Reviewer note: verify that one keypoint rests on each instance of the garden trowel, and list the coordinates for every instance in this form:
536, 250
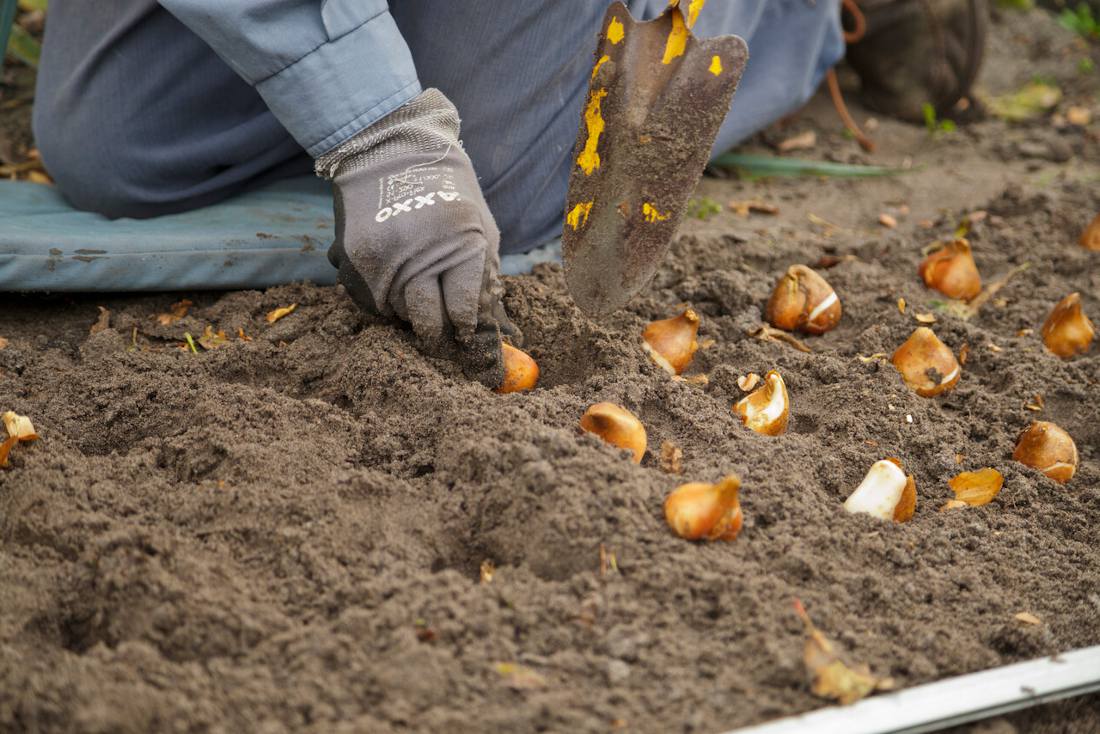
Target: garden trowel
656, 99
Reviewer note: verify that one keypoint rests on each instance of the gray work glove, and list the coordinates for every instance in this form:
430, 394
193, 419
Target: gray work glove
414, 237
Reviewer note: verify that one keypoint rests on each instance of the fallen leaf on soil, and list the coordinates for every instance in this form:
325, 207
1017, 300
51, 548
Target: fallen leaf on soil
176, 312
242, 336
273, 316
1079, 116
671, 459
887, 221
519, 677
832, 678
211, 339
748, 382
925, 318
103, 322
873, 358
20, 429
487, 570
608, 561
977, 488
1027, 618
1031, 100
743, 208
802, 141
768, 334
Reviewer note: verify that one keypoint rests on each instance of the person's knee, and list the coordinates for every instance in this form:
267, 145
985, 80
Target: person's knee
87, 163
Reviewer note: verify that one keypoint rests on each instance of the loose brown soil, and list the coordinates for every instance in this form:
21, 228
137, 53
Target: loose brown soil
286, 533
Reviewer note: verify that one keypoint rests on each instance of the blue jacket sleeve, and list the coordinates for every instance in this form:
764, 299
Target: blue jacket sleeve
326, 68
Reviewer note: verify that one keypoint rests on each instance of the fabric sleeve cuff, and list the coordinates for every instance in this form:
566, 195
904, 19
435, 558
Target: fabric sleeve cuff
343, 86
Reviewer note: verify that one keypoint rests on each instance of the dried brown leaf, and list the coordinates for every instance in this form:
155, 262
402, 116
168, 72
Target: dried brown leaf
832, 678
211, 339
768, 333
671, 459
101, 323
519, 677
802, 141
275, 315
176, 312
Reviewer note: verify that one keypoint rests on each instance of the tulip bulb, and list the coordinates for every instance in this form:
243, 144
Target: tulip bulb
1067, 330
520, 371
671, 342
704, 511
1046, 447
951, 271
803, 301
617, 426
926, 364
766, 409
886, 493
1090, 238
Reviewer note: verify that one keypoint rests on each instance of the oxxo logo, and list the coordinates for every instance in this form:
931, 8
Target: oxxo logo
417, 202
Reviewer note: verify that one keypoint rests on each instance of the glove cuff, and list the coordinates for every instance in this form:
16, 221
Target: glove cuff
426, 122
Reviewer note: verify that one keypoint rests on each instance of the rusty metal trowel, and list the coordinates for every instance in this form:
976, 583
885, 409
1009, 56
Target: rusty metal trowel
656, 99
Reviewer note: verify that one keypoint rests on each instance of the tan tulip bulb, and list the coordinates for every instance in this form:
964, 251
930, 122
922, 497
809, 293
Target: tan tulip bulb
671, 343
803, 301
1090, 238
617, 426
766, 409
886, 493
520, 371
951, 271
701, 511
1067, 330
1048, 448
926, 364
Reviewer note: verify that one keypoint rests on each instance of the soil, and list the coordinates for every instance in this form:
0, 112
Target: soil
285, 533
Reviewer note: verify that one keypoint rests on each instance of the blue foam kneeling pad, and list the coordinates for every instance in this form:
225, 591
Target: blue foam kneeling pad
277, 234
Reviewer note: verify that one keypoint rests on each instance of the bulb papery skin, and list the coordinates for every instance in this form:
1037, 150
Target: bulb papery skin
701, 511
767, 409
617, 426
521, 373
951, 270
671, 343
927, 365
803, 301
882, 492
1068, 331
1047, 447
1090, 238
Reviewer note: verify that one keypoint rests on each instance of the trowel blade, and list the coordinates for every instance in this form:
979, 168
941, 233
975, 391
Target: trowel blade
655, 101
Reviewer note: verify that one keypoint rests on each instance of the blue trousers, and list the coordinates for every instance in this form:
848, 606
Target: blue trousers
135, 116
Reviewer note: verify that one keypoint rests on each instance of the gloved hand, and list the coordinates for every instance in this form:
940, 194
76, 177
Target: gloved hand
414, 237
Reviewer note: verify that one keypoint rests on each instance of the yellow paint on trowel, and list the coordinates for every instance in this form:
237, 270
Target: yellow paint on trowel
693, 11
677, 38
716, 66
603, 60
589, 159
578, 217
651, 214
615, 31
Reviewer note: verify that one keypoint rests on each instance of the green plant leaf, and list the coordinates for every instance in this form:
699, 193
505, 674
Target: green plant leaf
762, 165
28, 6
23, 47
1031, 100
